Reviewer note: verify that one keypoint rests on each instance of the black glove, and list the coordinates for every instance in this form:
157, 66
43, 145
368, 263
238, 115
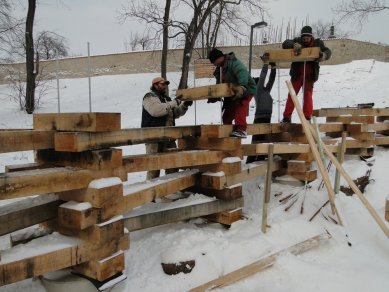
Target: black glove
272, 64
297, 49
265, 58
188, 103
213, 100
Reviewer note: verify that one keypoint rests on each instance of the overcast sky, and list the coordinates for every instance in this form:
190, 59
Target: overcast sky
95, 21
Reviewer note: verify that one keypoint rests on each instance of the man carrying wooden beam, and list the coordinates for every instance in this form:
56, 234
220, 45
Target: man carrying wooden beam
159, 110
304, 74
230, 70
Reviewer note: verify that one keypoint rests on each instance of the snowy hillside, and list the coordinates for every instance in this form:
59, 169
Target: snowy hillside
334, 266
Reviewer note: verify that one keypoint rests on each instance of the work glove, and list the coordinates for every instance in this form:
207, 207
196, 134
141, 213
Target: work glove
213, 100
238, 91
188, 103
272, 64
265, 58
297, 49
322, 56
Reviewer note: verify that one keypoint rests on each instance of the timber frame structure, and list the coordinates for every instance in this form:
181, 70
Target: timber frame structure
80, 181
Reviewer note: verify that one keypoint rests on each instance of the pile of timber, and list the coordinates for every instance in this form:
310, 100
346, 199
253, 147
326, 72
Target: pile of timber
84, 197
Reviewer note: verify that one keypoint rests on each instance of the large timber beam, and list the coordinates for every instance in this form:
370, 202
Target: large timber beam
135, 221
23, 140
335, 112
205, 92
79, 141
287, 55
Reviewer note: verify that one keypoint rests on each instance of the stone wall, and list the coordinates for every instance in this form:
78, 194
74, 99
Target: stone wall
343, 51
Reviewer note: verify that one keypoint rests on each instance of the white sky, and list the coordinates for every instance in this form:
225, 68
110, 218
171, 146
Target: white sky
96, 21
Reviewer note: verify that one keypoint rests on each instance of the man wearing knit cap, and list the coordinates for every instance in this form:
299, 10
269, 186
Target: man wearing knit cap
159, 110
304, 74
230, 70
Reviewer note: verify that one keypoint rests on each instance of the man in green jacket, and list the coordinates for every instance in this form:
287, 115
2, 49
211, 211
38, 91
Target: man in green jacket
230, 70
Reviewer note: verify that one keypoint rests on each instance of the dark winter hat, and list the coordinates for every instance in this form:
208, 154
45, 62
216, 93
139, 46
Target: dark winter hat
306, 30
214, 54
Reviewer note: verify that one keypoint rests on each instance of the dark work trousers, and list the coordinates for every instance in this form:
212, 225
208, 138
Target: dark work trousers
259, 138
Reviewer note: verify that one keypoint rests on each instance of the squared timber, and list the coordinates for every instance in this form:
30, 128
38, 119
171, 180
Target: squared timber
23, 140
227, 193
205, 92
351, 119
287, 55
88, 122
226, 217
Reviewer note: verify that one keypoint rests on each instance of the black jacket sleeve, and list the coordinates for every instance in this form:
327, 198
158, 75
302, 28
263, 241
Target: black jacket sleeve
270, 82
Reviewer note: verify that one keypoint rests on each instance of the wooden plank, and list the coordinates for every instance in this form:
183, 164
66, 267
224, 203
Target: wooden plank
102, 269
33, 182
177, 159
25, 166
84, 121
335, 112
226, 217
351, 119
23, 140
228, 166
137, 222
205, 92
382, 140
216, 131
61, 253
287, 55
79, 141
226, 144
27, 212
139, 194
261, 264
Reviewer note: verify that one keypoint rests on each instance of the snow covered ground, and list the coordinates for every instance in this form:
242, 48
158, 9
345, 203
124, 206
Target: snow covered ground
334, 266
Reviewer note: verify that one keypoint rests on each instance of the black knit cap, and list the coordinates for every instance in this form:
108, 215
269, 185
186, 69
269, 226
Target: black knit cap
214, 54
306, 30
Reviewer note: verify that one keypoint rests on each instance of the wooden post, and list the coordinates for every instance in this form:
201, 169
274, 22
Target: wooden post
341, 151
261, 264
320, 147
309, 134
266, 194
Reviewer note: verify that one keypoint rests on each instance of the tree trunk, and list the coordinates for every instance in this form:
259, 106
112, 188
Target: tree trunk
31, 74
165, 41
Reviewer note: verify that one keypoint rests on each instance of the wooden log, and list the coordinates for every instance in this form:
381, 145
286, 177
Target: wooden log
102, 269
364, 136
287, 55
99, 193
228, 165
226, 217
95, 159
381, 141
79, 141
22, 140
32, 182
228, 193
138, 221
139, 194
261, 264
205, 92
26, 235
85, 122
219, 181
177, 159
335, 112
231, 146
77, 215
28, 212
279, 148
26, 166
351, 119
310, 175
298, 165
216, 131
63, 252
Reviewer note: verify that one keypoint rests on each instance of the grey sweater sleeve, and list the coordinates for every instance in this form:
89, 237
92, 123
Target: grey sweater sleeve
155, 107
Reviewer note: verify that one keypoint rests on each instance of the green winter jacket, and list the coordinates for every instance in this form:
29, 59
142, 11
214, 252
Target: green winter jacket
234, 71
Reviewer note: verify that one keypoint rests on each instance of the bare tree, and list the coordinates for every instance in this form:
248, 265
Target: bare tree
50, 45
323, 30
186, 31
30, 66
358, 11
